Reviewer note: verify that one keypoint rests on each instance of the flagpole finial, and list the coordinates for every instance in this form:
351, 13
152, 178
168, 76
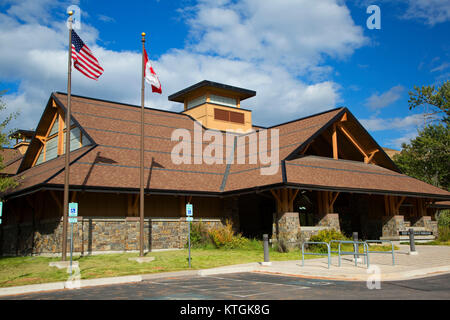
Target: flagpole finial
70, 12
143, 36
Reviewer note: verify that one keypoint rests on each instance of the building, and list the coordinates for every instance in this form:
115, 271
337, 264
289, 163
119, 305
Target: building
330, 173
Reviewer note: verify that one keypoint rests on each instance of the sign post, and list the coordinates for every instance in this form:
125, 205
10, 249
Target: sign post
189, 218
73, 214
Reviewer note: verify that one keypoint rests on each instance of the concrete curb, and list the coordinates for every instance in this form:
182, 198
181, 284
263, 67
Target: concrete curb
393, 276
249, 267
32, 288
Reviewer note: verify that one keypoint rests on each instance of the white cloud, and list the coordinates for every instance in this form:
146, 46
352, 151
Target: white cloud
405, 123
266, 54
430, 11
379, 101
298, 34
406, 138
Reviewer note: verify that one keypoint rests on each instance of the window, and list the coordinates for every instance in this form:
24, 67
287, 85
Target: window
231, 116
197, 101
224, 101
50, 149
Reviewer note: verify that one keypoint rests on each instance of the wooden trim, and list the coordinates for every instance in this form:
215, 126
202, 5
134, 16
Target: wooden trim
352, 139
369, 158
334, 197
399, 203
344, 117
335, 142
60, 134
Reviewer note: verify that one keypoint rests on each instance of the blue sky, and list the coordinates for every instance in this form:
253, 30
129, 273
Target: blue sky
301, 56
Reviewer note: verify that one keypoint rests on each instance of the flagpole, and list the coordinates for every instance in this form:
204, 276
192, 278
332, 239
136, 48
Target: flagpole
67, 156
141, 174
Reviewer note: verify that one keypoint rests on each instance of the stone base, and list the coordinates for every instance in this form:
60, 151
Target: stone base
331, 221
288, 228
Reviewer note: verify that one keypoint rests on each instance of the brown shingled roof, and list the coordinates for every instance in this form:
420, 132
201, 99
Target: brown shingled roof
11, 161
112, 161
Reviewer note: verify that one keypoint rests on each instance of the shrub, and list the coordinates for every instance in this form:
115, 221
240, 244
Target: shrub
224, 237
325, 236
443, 218
444, 233
199, 235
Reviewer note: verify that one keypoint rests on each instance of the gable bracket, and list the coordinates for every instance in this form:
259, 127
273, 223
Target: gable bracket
352, 140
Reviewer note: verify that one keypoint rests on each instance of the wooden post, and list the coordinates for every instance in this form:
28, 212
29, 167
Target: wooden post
335, 144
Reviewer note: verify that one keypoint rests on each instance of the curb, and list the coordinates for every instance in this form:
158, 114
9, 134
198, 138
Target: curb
253, 267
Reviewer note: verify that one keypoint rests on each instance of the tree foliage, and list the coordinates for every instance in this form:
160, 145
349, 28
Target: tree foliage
438, 100
5, 182
427, 157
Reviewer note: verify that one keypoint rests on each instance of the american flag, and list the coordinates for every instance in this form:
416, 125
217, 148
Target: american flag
83, 59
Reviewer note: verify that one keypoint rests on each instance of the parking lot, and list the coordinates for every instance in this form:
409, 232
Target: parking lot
254, 286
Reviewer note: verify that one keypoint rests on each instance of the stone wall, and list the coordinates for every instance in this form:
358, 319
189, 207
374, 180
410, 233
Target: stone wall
392, 225
97, 235
331, 221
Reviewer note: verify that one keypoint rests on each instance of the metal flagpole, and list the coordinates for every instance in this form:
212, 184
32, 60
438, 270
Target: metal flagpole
67, 157
141, 174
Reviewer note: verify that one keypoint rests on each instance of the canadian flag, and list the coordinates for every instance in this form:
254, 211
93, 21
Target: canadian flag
150, 75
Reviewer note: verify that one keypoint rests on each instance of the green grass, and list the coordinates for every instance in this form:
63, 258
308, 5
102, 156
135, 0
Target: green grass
17, 271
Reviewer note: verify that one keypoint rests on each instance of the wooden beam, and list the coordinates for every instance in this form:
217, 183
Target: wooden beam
344, 117
40, 138
333, 199
335, 143
352, 139
277, 198
399, 203
370, 157
306, 148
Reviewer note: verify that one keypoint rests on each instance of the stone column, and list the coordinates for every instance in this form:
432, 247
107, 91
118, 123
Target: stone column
330, 220
392, 225
289, 228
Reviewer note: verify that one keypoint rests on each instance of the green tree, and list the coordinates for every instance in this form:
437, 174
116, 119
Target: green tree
5, 182
438, 100
427, 157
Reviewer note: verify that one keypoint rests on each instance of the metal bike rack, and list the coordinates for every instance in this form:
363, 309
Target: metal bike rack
354, 253
381, 241
315, 254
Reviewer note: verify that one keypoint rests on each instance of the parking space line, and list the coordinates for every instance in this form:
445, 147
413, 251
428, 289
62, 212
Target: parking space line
260, 282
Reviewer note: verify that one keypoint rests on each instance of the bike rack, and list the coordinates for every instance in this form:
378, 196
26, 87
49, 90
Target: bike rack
354, 253
381, 241
315, 254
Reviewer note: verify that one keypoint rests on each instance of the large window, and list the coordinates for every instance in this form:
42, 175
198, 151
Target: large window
196, 102
50, 148
224, 101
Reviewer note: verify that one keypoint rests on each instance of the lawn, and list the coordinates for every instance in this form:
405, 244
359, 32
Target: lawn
17, 271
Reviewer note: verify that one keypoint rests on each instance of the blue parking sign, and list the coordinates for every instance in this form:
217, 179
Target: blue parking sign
73, 209
189, 210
